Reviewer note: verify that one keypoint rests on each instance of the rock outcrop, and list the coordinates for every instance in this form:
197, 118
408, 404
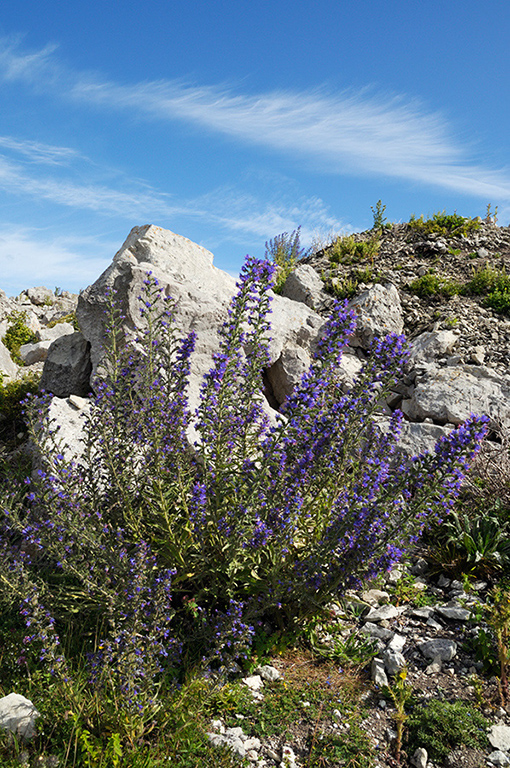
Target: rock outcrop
460, 349
201, 293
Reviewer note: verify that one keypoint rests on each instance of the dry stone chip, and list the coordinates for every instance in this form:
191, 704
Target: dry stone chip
384, 612
439, 647
454, 613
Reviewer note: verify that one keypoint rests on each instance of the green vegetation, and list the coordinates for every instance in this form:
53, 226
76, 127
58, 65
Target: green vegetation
17, 334
346, 250
12, 395
475, 543
347, 287
380, 221
440, 727
406, 591
490, 283
447, 225
285, 251
431, 285
70, 318
497, 616
344, 645
400, 693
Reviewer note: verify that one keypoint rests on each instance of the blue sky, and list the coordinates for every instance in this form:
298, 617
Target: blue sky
230, 122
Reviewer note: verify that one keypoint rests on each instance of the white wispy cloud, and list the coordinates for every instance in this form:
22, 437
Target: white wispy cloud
29, 257
18, 179
230, 209
339, 132
37, 152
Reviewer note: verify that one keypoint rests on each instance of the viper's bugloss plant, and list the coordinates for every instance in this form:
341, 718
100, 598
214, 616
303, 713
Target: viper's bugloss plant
285, 251
180, 533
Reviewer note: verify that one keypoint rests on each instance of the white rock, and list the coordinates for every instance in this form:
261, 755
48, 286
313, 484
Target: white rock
7, 365
420, 758
382, 613
393, 662
71, 422
498, 758
435, 667
269, 673
202, 294
56, 331
375, 596
499, 737
304, 284
34, 353
396, 573
432, 344
397, 643
79, 403
424, 612
379, 313
254, 682
252, 743
378, 673
374, 630
451, 394
40, 295
18, 715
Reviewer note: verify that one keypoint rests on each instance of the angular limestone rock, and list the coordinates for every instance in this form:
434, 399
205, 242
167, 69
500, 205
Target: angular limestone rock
451, 394
202, 294
304, 284
379, 313
7, 365
67, 367
432, 344
18, 715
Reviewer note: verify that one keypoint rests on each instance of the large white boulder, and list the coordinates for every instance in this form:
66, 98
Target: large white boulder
202, 294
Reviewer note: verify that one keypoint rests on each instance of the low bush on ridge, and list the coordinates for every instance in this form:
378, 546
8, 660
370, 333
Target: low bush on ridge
161, 558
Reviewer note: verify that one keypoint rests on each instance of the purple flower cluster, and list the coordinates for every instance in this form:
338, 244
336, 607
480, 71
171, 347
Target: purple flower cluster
163, 545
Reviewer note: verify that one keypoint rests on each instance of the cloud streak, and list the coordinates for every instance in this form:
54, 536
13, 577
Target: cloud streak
60, 261
39, 153
355, 133
231, 210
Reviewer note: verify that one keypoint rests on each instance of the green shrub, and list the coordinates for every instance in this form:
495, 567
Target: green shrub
347, 249
17, 334
492, 283
347, 287
70, 318
12, 395
447, 225
431, 285
379, 217
441, 727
